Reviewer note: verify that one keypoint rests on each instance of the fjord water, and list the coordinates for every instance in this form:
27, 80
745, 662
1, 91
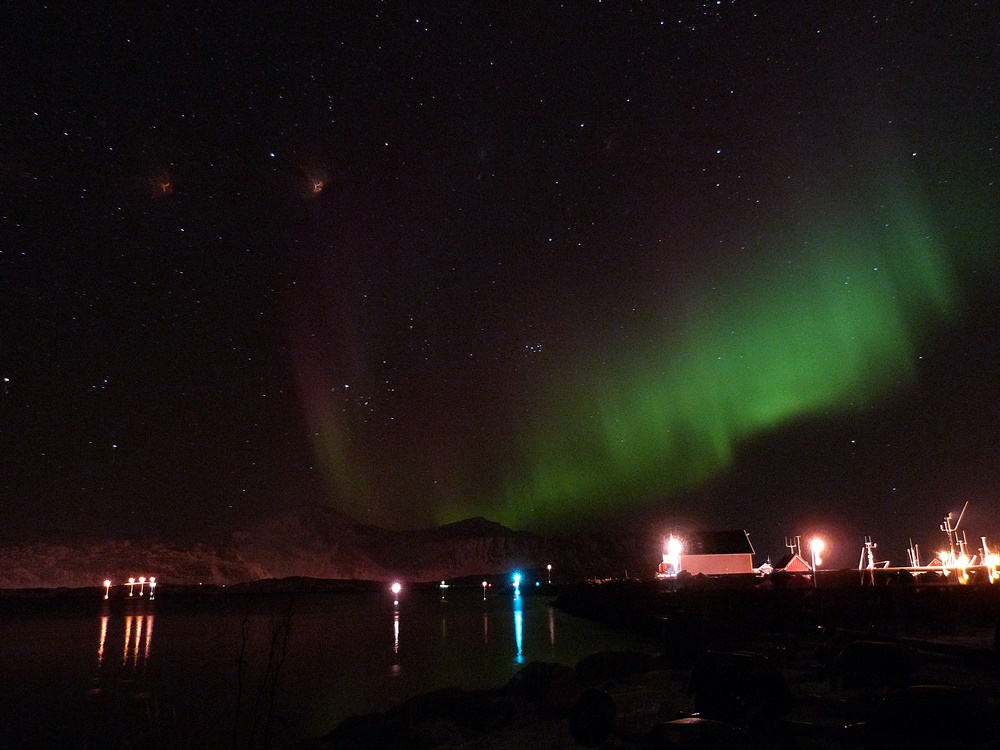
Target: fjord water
87, 673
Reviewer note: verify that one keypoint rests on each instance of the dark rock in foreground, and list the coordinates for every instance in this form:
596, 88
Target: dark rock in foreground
541, 692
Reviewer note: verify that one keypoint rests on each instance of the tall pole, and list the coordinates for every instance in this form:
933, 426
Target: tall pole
816, 546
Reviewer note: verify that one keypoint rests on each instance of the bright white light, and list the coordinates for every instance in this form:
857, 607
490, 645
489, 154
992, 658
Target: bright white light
992, 561
671, 564
674, 546
396, 588
816, 545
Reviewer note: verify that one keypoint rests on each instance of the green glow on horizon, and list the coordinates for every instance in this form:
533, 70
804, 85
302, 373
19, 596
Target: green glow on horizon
830, 322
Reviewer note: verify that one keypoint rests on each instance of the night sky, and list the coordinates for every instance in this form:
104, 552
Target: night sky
728, 264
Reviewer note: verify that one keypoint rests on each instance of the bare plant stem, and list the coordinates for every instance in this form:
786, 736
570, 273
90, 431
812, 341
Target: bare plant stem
270, 681
241, 668
279, 639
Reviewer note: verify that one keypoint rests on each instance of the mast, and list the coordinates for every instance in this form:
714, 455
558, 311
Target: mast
868, 551
794, 544
951, 531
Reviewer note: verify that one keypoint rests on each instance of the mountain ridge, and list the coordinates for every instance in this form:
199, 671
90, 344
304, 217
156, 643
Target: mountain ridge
324, 543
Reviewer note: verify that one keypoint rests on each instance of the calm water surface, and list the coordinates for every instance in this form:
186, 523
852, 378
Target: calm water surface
82, 673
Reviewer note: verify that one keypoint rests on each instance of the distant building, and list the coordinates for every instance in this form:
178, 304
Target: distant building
793, 563
713, 553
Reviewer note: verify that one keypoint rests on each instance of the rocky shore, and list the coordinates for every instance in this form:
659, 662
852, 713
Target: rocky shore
784, 666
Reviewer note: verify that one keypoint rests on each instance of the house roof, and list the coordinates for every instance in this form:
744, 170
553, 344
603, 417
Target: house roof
732, 542
792, 562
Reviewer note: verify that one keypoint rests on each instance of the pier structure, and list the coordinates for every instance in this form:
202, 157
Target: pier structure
136, 585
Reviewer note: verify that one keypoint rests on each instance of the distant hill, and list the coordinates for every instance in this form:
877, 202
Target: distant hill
322, 543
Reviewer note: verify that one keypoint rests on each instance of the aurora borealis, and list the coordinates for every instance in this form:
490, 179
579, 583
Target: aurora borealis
559, 265
836, 328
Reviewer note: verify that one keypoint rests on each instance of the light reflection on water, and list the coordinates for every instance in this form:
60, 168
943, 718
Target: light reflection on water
338, 663
142, 625
519, 628
139, 624
104, 637
518, 623
517, 620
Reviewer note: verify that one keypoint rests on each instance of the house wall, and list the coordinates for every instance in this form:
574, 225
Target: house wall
715, 565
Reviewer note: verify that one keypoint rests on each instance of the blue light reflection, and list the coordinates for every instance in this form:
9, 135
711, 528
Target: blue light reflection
519, 628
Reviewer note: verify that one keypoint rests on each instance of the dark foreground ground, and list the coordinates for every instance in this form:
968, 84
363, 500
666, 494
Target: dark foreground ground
738, 665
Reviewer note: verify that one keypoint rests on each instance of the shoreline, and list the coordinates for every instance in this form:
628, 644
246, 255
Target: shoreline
288, 585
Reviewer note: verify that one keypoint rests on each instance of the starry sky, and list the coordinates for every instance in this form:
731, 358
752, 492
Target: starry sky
723, 264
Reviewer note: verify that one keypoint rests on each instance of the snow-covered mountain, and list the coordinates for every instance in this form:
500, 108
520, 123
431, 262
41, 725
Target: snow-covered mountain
321, 543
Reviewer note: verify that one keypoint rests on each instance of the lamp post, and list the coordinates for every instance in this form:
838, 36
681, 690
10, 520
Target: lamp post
549, 566
816, 546
107, 588
396, 588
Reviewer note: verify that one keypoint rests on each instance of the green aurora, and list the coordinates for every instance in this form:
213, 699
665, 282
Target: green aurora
832, 322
